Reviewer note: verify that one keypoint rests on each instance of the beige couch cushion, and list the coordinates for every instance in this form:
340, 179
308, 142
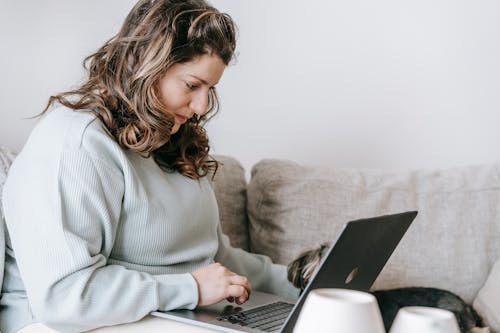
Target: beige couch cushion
230, 191
452, 244
487, 302
6, 158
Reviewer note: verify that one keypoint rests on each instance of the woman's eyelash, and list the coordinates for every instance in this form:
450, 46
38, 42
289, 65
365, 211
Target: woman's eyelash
191, 86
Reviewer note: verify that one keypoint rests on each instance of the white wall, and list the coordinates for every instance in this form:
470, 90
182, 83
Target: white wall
388, 83
43, 44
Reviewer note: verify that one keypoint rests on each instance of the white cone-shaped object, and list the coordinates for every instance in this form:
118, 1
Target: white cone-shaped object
421, 319
339, 310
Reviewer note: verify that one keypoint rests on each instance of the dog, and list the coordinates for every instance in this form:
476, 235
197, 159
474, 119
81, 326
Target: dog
304, 266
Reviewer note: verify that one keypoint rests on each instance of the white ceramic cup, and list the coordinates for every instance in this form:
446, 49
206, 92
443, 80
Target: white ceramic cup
421, 319
339, 310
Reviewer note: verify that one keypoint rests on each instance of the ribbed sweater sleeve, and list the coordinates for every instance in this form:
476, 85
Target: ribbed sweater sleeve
63, 226
262, 274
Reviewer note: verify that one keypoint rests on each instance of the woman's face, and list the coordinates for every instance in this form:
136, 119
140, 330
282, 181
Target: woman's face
184, 87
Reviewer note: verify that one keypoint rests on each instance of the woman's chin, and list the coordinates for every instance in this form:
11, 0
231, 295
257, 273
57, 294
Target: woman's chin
175, 129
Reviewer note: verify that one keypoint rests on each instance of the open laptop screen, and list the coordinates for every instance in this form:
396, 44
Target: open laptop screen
357, 257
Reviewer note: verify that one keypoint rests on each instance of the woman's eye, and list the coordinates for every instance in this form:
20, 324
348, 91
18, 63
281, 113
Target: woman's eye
191, 86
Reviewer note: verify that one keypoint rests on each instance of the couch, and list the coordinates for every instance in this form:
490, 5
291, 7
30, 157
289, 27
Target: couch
453, 244
286, 208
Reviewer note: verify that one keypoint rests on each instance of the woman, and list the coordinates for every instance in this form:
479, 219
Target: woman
109, 206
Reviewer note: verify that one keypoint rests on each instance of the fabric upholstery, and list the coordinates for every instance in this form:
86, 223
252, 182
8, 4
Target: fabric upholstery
6, 158
452, 244
230, 191
487, 301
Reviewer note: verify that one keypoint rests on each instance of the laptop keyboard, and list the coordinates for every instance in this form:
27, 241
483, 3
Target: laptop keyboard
267, 318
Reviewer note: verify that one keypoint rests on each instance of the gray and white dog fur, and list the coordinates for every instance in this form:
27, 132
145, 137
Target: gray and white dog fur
390, 301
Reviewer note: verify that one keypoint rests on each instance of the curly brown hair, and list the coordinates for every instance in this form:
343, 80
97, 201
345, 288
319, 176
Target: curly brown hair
123, 75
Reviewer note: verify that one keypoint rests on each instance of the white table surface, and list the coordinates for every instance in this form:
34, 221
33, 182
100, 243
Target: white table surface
148, 324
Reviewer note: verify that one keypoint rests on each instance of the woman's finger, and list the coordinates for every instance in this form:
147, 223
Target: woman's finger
235, 291
242, 299
242, 281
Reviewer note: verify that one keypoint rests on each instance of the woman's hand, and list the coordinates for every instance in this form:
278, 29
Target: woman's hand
216, 283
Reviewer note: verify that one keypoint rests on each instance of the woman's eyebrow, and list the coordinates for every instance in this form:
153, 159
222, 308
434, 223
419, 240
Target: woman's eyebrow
201, 80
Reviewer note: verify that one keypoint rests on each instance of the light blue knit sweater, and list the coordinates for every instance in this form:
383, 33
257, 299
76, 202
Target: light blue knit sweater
102, 236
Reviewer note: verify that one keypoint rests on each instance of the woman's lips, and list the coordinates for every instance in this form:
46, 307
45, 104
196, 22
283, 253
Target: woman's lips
181, 119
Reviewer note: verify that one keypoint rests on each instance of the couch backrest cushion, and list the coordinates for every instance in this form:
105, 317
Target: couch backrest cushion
230, 191
487, 302
6, 158
452, 243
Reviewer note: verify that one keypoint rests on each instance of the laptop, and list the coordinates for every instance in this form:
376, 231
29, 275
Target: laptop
353, 262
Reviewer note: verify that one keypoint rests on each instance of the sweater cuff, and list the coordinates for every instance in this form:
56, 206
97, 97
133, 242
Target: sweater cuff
176, 291
280, 285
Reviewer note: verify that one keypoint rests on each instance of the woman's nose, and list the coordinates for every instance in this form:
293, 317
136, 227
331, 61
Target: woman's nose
199, 103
